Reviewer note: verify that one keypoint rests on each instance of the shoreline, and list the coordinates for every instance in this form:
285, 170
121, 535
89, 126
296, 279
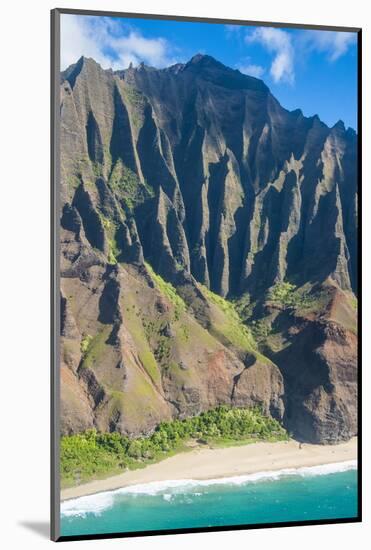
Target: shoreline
208, 463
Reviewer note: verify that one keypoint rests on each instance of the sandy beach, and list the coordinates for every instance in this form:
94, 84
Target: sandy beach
206, 463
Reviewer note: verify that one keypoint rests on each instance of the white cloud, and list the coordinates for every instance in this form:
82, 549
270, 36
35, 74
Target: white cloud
76, 40
233, 31
333, 43
110, 44
286, 47
251, 70
279, 43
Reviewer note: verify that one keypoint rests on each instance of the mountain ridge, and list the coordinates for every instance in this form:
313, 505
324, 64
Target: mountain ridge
179, 65
191, 178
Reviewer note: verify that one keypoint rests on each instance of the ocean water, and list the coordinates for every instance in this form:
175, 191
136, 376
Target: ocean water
315, 493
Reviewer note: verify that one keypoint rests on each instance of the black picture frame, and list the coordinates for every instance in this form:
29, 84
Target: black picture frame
55, 274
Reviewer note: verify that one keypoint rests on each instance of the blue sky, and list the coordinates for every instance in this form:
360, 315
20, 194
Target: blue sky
315, 71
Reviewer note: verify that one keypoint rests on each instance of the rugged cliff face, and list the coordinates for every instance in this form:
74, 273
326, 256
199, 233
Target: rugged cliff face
208, 252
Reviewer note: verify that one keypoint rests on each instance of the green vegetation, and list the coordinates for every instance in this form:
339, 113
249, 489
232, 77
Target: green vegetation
183, 333
136, 98
151, 327
233, 328
137, 324
261, 329
92, 454
73, 181
287, 295
149, 363
163, 349
160, 342
92, 347
244, 307
137, 102
97, 169
113, 251
128, 187
353, 302
106, 222
110, 228
169, 291
275, 342
85, 343
283, 294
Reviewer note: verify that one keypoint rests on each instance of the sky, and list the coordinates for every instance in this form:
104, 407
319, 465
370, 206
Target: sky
313, 70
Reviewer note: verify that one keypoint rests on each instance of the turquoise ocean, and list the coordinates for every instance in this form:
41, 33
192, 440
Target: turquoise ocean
314, 493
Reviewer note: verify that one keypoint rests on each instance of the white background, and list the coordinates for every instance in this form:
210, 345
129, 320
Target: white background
24, 271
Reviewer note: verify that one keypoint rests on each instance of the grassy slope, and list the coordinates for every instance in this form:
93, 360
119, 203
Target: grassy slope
91, 455
228, 326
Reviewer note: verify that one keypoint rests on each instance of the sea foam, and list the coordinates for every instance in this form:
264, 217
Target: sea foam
97, 503
91, 504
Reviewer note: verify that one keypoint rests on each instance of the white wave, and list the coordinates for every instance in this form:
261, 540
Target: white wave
156, 487
91, 504
325, 469
98, 502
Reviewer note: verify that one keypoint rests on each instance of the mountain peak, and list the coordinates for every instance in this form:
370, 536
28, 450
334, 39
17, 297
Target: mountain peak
210, 69
203, 61
87, 62
73, 71
197, 58
339, 125
201, 58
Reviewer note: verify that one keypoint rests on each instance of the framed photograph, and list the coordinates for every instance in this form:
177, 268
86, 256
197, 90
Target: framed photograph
206, 179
